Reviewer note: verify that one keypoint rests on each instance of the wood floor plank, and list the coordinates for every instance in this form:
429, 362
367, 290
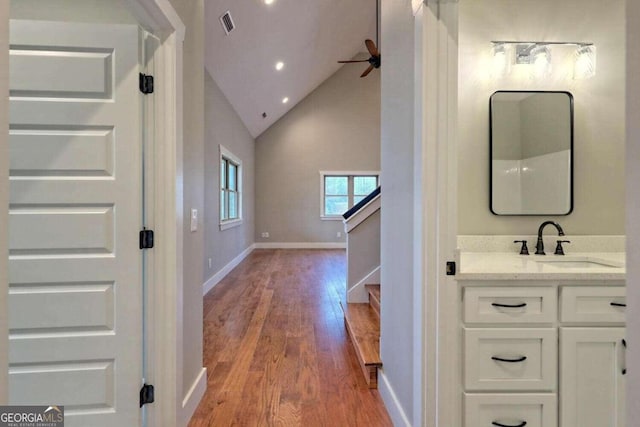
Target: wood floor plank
276, 348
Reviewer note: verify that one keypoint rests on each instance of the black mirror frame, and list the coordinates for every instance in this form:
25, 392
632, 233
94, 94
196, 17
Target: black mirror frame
571, 174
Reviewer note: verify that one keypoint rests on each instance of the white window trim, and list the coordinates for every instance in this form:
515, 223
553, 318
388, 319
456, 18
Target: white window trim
324, 217
235, 222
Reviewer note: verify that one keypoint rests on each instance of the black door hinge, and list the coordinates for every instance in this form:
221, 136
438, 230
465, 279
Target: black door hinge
146, 394
451, 268
146, 239
146, 84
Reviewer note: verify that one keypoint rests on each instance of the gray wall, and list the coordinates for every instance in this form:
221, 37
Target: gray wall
546, 125
397, 133
507, 133
192, 14
224, 126
599, 107
335, 128
4, 194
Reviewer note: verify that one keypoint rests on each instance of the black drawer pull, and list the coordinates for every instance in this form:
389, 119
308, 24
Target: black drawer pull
522, 304
516, 360
618, 304
497, 424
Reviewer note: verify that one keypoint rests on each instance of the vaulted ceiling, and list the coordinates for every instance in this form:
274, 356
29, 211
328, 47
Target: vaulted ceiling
308, 36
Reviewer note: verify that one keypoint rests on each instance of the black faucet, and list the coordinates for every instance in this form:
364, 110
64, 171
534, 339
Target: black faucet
540, 244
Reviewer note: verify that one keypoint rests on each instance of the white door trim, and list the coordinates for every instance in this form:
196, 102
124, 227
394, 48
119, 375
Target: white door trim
4, 197
436, 35
165, 294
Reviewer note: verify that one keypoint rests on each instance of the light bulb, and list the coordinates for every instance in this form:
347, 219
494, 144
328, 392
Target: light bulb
279, 65
285, 100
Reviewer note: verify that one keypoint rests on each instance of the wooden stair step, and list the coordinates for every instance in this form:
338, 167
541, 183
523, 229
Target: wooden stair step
374, 297
363, 326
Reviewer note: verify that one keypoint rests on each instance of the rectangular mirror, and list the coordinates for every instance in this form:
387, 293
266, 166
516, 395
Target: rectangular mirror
531, 145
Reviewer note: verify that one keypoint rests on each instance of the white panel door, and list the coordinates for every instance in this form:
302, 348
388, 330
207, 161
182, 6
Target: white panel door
592, 381
75, 298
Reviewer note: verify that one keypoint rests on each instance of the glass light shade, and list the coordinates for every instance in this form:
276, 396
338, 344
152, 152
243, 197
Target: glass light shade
500, 65
541, 61
585, 66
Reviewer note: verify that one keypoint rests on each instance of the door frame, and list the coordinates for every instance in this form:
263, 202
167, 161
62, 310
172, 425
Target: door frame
436, 55
164, 298
164, 293
4, 198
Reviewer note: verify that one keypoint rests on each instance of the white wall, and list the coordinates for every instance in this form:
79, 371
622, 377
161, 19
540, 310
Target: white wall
397, 139
335, 128
224, 126
599, 107
529, 185
363, 255
633, 209
4, 194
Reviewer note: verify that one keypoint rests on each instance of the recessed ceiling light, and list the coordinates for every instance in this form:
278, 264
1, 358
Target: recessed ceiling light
268, 1
279, 65
285, 100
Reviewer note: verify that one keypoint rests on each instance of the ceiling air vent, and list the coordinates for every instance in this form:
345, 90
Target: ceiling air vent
227, 22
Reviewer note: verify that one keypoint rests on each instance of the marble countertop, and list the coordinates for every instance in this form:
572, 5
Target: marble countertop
512, 266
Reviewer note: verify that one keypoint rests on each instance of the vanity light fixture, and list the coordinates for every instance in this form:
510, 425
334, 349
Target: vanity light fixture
537, 54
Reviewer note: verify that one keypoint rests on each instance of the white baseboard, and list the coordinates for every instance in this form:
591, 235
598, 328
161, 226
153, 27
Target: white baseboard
301, 245
395, 410
193, 397
216, 278
358, 293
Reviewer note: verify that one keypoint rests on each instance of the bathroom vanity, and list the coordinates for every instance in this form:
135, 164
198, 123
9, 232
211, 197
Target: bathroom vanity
541, 339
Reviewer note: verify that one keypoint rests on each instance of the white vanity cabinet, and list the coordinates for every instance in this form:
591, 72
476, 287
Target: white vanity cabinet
542, 354
592, 356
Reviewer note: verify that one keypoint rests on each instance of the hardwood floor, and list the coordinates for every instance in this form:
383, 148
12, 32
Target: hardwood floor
276, 348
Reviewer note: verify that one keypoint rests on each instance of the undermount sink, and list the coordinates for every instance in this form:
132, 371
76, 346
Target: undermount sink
579, 262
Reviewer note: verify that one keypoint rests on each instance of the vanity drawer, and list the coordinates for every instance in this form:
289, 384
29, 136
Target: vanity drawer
588, 304
510, 359
513, 410
510, 305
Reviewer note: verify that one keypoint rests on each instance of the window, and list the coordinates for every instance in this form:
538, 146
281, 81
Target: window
230, 189
342, 190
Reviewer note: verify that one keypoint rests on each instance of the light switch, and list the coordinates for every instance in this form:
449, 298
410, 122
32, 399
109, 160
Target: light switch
194, 220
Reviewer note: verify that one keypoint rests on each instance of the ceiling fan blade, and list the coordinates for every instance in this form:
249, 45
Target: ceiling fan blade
371, 47
367, 71
349, 62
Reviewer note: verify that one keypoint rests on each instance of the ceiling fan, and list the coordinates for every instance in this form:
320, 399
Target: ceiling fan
374, 60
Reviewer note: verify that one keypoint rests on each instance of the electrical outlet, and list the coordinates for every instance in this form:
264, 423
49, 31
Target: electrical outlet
265, 235
209, 263
194, 220
338, 234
